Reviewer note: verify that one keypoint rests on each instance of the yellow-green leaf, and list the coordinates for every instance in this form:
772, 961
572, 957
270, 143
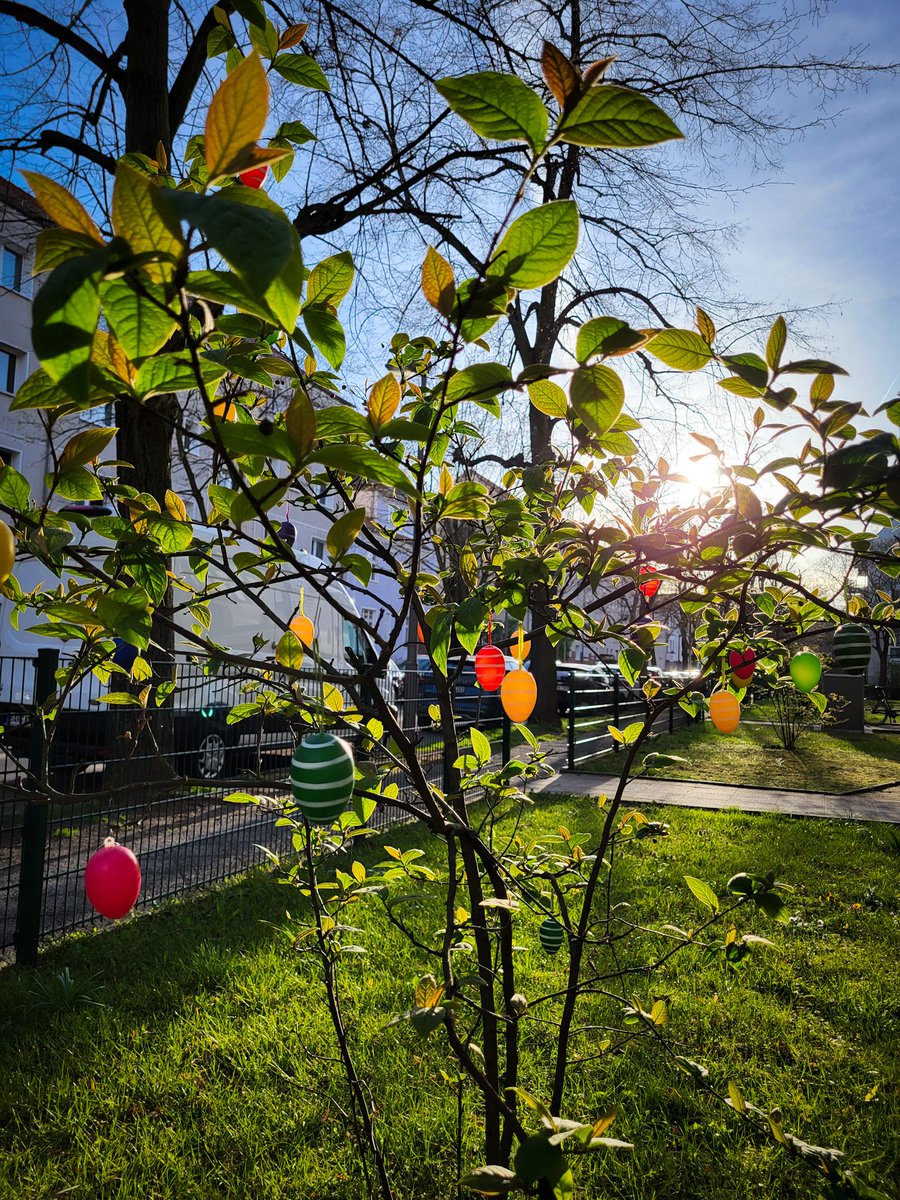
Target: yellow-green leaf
237, 116
142, 223
384, 400
548, 398
438, 284
344, 531
61, 206
84, 447
331, 279
300, 422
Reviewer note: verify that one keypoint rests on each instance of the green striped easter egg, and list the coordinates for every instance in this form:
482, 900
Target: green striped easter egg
322, 777
852, 649
551, 934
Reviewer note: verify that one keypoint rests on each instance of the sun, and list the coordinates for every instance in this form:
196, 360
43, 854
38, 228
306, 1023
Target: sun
702, 475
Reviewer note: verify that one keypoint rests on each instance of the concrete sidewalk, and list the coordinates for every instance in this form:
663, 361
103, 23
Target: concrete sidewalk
883, 805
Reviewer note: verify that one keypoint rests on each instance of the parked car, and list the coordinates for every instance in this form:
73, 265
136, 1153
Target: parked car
469, 697
592, 681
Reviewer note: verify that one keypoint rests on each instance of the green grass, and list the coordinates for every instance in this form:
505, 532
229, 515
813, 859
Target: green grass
752, 755
210, 1072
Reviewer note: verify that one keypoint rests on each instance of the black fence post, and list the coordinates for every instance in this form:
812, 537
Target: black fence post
30, 902
570, 760
505, 741
615, 719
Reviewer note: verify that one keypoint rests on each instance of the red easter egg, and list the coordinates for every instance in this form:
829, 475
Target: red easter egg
490, 667
742, 663
255, 177
649, 587
112, 879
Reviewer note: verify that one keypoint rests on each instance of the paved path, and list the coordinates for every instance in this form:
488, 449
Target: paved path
883, 805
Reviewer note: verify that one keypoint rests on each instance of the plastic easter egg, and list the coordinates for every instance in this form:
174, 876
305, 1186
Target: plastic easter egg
520, 652
806, 670
224, 410
303, 627
112, 879
649, 587
551, 934
124, 654
490, 667
322, 775
742, 664
724, 711
518, 695
255, 177
7, 551
852, 649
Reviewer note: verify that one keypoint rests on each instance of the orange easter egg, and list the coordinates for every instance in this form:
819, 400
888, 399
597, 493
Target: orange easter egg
518, 695
724, 711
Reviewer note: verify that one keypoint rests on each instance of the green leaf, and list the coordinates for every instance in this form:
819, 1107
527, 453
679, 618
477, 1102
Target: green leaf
616, 117
224, 287
78, 484
248, 230
537, 246
479, 384
126, 612
597, 394
496, 106
15, 491
84, 447
302, 70
64, 317
773, 906
364, 463
811, 366
140, 321
490, 1181
344, 531
480, 745
326, 331
296, 132
680, 348
469, 622
479, 305
331, 279
144, 224
703, 892
262, 495
39, 391
740, 387
243, 440
289, 651
606, 335
300, 422
548, 398
537, 1159
631, 662
466, 501
173, 536
776, 342
265, 40
174, 373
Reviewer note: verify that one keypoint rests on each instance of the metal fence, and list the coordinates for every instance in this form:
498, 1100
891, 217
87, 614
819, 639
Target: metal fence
591, 708
156, 780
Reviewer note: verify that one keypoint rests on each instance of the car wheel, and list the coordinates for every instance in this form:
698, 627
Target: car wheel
211, 755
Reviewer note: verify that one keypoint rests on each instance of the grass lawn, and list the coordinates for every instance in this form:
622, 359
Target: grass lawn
210, 1072
752, 755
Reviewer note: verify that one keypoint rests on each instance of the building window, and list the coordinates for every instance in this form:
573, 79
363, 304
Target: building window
318, 548
101, 414
370, 616
8, 364
11, 270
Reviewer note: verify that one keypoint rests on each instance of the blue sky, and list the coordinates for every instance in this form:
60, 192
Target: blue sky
826, 230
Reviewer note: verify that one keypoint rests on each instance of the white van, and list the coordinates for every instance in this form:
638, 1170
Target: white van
204, 739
